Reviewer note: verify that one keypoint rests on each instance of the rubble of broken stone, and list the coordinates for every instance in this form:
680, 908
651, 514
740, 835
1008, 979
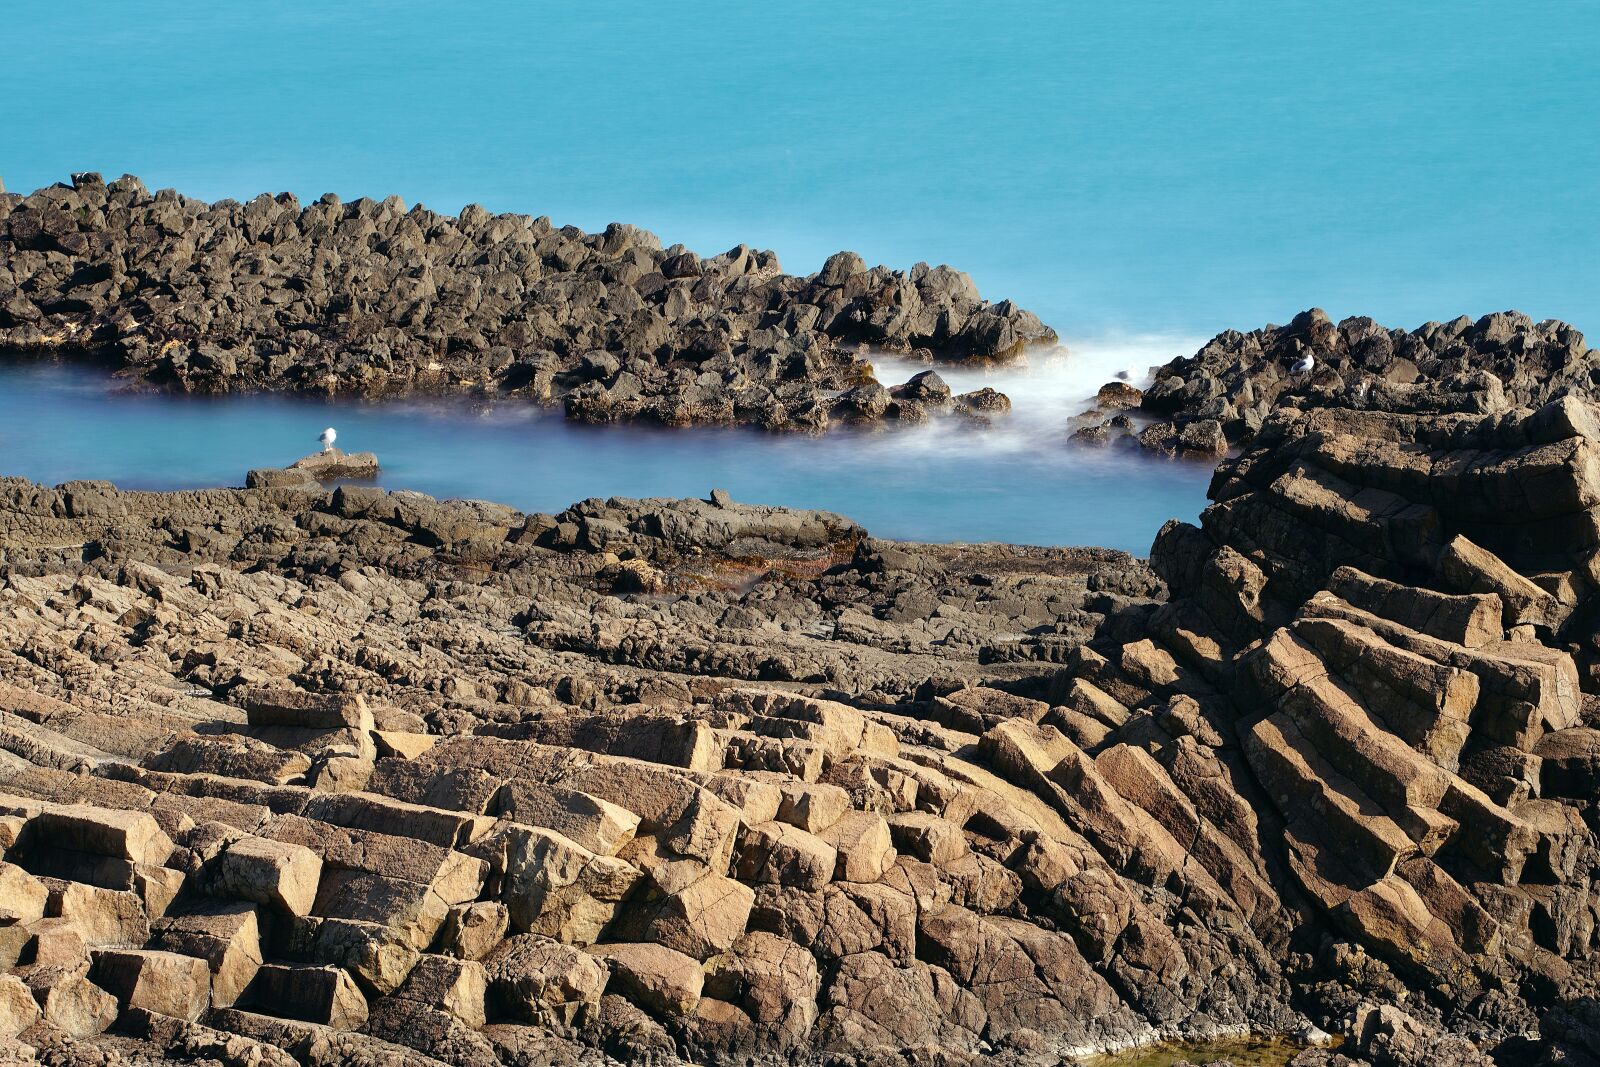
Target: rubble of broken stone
299, 776
1217, 399
370, 298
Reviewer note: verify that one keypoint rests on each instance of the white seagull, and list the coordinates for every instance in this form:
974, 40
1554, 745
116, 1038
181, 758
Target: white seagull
1303, 365
327, 438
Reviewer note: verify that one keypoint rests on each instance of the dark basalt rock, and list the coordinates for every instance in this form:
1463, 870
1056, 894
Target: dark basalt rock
1498, 363
372, 298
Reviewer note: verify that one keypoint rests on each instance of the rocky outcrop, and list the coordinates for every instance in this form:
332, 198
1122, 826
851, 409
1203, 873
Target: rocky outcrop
1220, 397
362, 774
371, 298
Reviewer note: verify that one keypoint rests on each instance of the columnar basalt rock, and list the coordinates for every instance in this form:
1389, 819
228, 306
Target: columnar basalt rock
371, 298
814, 797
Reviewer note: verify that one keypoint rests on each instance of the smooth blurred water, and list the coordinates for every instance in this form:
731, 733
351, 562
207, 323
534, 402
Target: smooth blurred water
939, 482
1121, 168
1142, 174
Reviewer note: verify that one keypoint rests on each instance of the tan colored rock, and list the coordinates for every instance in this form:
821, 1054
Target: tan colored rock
757, 800
162, 982
472, 931
455, 878
812, 807
22, 896
655, 977
774, 983
18, 1010
381, 957
324, 995
927, 837
411, 909
544, 982
1471, 569
158, 887
103, 916
686, 906
1329, 805
226, 935
452, 985
58, 943
781, 854
133, 836
340, 774
403, 744
78, 1007
1470, 620
14, 942
553, 886
368, 811
297, 708
11, 827
233, 756
1427, 704
279, 875
863, 845
598, 825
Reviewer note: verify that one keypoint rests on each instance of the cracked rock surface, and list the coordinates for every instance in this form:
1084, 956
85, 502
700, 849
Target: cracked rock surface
298, 776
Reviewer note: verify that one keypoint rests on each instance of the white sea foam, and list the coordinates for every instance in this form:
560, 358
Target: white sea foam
1047, 387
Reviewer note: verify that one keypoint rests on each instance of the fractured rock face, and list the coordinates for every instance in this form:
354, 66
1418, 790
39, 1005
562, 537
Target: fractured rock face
889, 797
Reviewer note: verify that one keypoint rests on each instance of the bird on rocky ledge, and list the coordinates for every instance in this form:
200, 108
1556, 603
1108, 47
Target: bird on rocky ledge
327, 438
1303, 365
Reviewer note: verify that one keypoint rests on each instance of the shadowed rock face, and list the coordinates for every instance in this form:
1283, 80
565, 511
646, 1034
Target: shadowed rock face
373, 299
690, 778
1201, 405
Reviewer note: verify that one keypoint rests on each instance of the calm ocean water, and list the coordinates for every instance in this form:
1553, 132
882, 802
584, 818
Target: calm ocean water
936, 483
1121, 168
1142, 174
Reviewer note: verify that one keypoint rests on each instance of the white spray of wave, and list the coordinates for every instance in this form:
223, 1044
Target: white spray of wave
1047, 387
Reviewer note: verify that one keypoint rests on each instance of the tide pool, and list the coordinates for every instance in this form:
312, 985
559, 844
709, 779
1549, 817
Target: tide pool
1016, 482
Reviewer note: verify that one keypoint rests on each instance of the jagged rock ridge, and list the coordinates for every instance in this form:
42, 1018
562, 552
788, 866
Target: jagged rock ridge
1219, 397
365, 772
373, 299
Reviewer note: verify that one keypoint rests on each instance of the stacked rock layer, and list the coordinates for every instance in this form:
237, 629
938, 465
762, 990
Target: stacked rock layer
293, 776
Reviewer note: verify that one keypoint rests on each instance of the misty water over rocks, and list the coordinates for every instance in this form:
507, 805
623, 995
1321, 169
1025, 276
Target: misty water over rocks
1012, 481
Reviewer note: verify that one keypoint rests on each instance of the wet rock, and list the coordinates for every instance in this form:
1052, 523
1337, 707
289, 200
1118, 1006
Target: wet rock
985, 401
1117, 395
924, 387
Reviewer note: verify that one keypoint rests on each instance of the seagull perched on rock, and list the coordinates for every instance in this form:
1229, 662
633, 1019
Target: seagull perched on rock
1303, 365
327, 438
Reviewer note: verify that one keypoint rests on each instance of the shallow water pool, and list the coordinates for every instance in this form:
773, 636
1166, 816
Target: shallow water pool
1017, 482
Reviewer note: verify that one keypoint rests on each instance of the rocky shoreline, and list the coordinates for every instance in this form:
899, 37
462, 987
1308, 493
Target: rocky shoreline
370, 298
1220, 397
291, 775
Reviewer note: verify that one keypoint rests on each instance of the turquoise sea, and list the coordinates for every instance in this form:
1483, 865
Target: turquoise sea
1141, 174
1122, 168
